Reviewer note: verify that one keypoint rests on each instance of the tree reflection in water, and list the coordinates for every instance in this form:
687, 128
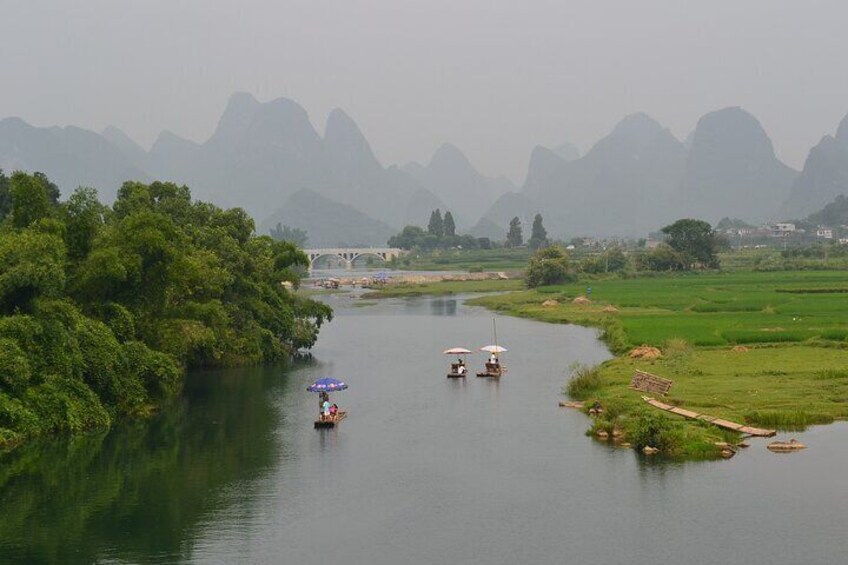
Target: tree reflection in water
136, 492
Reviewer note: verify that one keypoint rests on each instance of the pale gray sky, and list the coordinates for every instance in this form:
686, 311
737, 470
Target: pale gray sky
494, 77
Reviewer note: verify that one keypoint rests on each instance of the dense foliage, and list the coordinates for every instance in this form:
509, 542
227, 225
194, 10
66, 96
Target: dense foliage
102, 308
287, 233
696, 242
415, 237
549, 266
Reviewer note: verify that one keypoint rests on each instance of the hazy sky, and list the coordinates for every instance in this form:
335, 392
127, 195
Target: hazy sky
493, 77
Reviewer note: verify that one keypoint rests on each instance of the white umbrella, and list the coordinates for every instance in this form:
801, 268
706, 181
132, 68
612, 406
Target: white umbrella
493, 349
457, 351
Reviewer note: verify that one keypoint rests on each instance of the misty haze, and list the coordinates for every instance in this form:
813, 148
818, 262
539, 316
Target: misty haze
423, 282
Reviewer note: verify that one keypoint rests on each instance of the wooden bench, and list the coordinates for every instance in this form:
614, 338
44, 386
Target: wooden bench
646, 382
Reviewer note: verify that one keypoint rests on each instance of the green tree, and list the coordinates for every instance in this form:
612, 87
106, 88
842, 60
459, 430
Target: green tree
436, 224
448, 225
612, 260
84, 217
514, 237
549, 265
50, 188
30, 201
288, 233
156, 284
695, 240
538, 234
662, 258
31, 266
5, 196
408, 238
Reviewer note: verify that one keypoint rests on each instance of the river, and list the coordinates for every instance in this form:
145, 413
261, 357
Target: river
425, 470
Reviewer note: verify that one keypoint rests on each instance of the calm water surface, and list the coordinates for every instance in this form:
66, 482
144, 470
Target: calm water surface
425, 470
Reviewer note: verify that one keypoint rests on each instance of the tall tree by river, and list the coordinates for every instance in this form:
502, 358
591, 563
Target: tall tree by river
101, 309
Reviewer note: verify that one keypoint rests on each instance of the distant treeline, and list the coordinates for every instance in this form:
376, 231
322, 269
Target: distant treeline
102, 308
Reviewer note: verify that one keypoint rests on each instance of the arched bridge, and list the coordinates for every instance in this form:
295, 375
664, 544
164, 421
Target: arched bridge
350, 254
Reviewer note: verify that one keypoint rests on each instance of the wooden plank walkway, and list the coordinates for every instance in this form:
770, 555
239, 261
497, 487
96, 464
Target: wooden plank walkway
720, 422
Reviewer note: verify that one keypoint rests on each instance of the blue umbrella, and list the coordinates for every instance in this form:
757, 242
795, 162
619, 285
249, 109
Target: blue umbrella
327, 385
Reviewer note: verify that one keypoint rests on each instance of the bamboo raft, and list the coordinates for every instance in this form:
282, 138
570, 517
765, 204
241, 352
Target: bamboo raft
454, 371
726, 424
492, 370
331, 421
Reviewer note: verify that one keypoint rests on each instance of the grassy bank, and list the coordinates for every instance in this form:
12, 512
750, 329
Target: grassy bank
445, 288
793, 375
503, 259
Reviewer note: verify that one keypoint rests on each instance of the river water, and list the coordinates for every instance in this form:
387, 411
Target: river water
425, 470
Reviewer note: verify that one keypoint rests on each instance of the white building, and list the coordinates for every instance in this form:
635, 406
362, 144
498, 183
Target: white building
782, 229
825, 233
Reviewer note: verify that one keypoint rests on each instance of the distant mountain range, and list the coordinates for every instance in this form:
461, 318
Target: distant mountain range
269, 159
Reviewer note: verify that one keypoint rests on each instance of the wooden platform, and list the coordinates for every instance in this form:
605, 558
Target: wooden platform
646, 382
457, 375
492, 371
726, 424
331, 421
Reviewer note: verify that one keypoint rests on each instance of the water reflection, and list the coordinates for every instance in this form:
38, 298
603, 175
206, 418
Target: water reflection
134, 494
443, 306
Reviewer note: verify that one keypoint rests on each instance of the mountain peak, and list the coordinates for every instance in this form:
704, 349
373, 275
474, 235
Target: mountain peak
345, 143
449, 155
237, 116
543, 163
637, 125
842, 131
342, 129
121, 140
567, 151
733, 131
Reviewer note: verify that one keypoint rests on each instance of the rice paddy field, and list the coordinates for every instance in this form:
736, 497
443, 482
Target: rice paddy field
766, 349
703, 309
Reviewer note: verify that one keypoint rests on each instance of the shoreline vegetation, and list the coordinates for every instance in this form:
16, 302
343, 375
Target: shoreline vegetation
104, 308
768, 349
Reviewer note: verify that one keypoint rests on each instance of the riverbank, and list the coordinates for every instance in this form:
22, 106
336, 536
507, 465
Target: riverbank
789, 330
447, 284
766, 349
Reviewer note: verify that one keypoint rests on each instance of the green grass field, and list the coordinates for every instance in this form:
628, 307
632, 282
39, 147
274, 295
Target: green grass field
705, 310
795, 373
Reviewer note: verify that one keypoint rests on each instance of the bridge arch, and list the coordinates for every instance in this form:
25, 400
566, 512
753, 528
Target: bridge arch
350, 254
369, 255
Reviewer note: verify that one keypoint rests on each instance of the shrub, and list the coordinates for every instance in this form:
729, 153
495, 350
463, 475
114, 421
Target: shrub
655, 430
549, 266
584, 381
675, 348
14, 366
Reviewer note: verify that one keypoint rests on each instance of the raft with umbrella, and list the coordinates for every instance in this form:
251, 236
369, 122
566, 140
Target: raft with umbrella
324, 387
493, 368
459, 369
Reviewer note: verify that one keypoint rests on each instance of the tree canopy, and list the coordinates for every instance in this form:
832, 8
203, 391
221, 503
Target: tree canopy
296, 236
538, 234
448, 225
436, 225
548, 266
696, 242
514, 237
101, 308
